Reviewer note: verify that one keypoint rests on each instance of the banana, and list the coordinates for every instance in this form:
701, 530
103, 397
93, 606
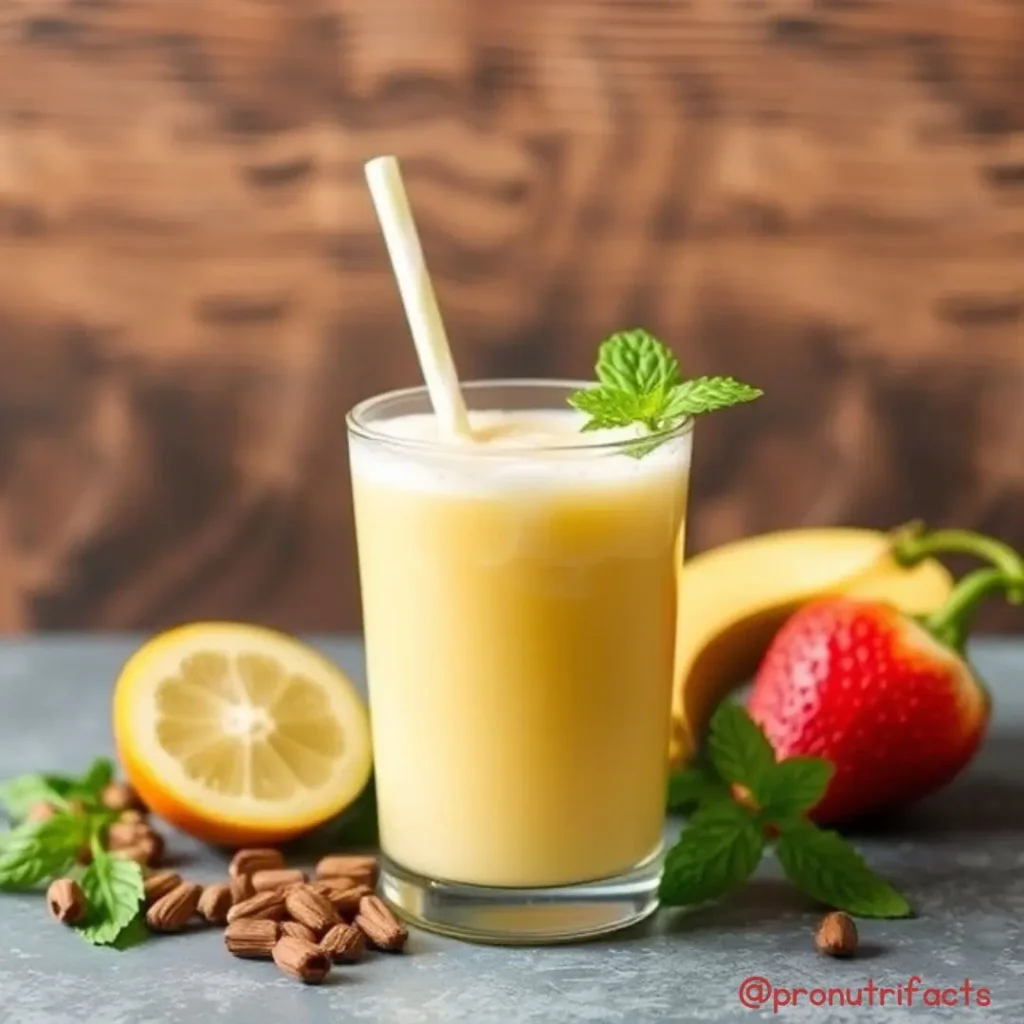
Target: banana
734, 598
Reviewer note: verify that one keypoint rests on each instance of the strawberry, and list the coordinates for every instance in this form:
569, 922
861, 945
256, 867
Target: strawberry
889, 700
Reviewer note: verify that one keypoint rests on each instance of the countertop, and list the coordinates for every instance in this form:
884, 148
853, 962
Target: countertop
959, 856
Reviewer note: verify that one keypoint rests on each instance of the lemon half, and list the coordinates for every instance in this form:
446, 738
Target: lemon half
238, 734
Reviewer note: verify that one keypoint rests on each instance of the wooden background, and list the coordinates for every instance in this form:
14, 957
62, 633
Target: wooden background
826, 198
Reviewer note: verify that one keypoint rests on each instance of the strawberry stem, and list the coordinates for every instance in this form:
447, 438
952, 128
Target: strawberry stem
912, 544
952, 623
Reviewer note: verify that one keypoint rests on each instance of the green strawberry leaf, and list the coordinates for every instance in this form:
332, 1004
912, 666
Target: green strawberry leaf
19, 795
38, 851
738, 748
718, 850
825, 867
793, 786
113, 890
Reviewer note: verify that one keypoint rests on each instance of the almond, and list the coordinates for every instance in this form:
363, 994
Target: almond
215, 903
345, 899
241, 888
268, 905
172, 912
160, 884
301, 960
123, 834
120, 796
310, 908
344, 944
66, 901
358, 867
298, 931
277, 878
336, 883
155, 847
251, 938
40, 812
249, 861
148, 851
378, 923
836, 935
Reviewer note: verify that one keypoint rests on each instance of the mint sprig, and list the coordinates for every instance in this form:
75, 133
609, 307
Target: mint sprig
747, 802
34, 853
20, 794
639, 382
40, 851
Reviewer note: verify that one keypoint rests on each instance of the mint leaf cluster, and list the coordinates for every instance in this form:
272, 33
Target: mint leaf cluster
747, 801
34, 853
19, 795
640, 383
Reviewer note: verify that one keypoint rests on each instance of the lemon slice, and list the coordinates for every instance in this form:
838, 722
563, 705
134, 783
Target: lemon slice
238, 734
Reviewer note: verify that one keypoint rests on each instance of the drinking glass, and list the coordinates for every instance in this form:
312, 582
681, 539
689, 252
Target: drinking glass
519, 606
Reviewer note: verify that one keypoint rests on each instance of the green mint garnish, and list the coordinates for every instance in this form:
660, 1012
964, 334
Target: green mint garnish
717, 852
34, 853
19, 795
113, 890
38, 852
639, 382
747, 801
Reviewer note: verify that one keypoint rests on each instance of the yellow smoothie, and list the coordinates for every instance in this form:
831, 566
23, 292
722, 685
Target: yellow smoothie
519, 609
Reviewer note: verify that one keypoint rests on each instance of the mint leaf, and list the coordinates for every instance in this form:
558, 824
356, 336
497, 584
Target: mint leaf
635, 361
97, 777
39, 851
606, 407
113, 893
717, 851
738, 748
793, 786
707, 394
693, 786
19, 795
133, 934
824, 866
639, 382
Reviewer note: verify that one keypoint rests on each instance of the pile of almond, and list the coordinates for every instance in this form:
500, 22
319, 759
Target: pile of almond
269, 910
131, 836
277, 913
273, 912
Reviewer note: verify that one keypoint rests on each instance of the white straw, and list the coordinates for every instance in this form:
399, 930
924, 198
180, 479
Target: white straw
428, 333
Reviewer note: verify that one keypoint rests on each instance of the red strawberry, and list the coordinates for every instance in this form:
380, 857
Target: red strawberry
889, 701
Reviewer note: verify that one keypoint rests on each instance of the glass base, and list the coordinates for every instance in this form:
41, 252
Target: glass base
522, 917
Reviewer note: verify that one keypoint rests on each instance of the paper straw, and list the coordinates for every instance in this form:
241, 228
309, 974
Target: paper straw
428, 333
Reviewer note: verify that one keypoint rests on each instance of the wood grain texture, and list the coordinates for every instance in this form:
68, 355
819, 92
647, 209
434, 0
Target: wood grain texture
826, 198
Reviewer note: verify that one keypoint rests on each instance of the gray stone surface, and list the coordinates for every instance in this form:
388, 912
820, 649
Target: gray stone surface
959, 856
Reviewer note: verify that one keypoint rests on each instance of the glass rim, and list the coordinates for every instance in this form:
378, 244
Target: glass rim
358, 426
